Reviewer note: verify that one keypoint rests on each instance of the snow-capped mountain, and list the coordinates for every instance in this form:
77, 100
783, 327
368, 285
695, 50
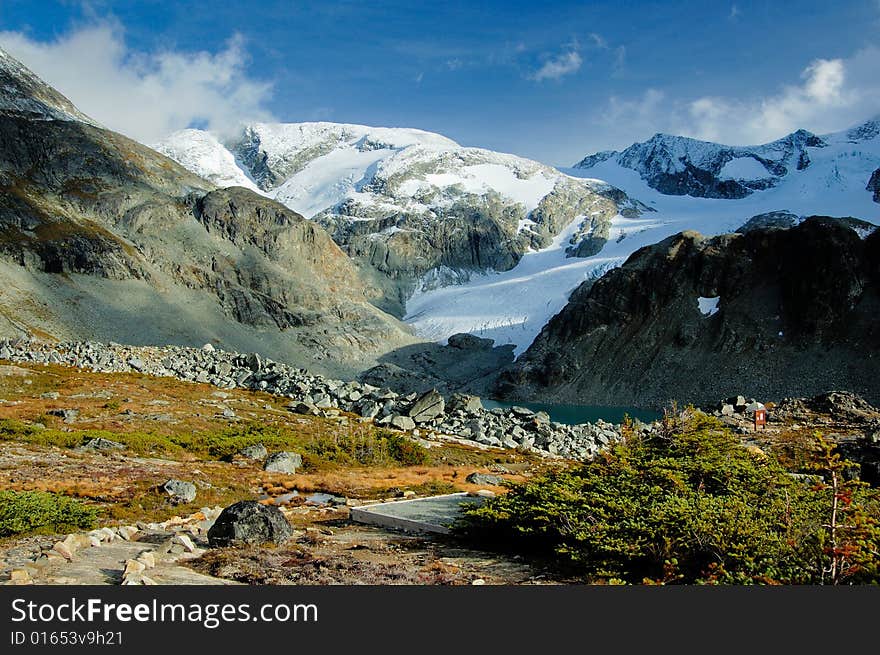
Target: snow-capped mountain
476, 241
802, 172
416, 208
729, 187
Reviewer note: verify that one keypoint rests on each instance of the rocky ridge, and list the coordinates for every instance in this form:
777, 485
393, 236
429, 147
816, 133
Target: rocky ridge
426, 415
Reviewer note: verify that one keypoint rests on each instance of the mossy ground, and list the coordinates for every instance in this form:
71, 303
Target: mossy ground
177, 429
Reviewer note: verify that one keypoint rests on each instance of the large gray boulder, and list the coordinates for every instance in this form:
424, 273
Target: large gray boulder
249, 522
484, 478
404, 423
283, 462
303, 408
427, 407
179, 491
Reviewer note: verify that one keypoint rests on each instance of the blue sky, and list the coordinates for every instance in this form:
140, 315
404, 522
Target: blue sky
553, 81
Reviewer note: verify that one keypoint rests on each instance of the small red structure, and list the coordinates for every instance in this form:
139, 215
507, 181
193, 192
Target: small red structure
760, 418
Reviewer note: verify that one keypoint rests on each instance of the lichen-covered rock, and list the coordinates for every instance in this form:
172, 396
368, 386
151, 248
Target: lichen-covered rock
180, 491
484, 478
283, 462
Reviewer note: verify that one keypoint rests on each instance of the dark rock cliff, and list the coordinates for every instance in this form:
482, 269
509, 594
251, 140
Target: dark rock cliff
874, 185
796, 314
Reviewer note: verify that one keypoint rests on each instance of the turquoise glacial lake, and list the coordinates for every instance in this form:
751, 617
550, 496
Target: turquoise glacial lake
573, 414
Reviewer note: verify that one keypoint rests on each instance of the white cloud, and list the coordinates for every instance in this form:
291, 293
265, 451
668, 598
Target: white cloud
734, 12
558, 67
832, 94
598, 40
145, 95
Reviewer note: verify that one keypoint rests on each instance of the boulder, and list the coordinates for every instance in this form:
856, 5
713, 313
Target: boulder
303, 408
101, 444
368, 409
461, 402
402, 423
738, 402
69, 415
256, 451
283, 462
323, 401
484, 478
249, 522
179, 491
254, 363
428, 407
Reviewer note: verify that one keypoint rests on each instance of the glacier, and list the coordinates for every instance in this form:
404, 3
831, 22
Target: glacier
319, 166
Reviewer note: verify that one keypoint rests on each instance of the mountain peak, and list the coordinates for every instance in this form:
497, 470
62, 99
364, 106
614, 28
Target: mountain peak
679, 165
24, 94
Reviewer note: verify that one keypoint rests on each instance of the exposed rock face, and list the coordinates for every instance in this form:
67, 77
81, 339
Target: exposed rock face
94, 224
466, 364
778, 219
874, 185
775, 312
249, 522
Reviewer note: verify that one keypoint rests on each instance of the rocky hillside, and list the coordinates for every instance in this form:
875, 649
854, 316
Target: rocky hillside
773, 312
414, 208
101, 237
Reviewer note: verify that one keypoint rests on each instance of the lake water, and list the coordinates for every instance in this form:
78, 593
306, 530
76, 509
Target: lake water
573, 414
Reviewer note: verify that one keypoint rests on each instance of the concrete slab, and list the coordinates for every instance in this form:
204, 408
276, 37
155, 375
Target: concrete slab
433, 514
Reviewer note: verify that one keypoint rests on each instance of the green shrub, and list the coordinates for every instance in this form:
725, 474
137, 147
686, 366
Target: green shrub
30, 511
367, 448
352, 446
405, 451
690, 506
